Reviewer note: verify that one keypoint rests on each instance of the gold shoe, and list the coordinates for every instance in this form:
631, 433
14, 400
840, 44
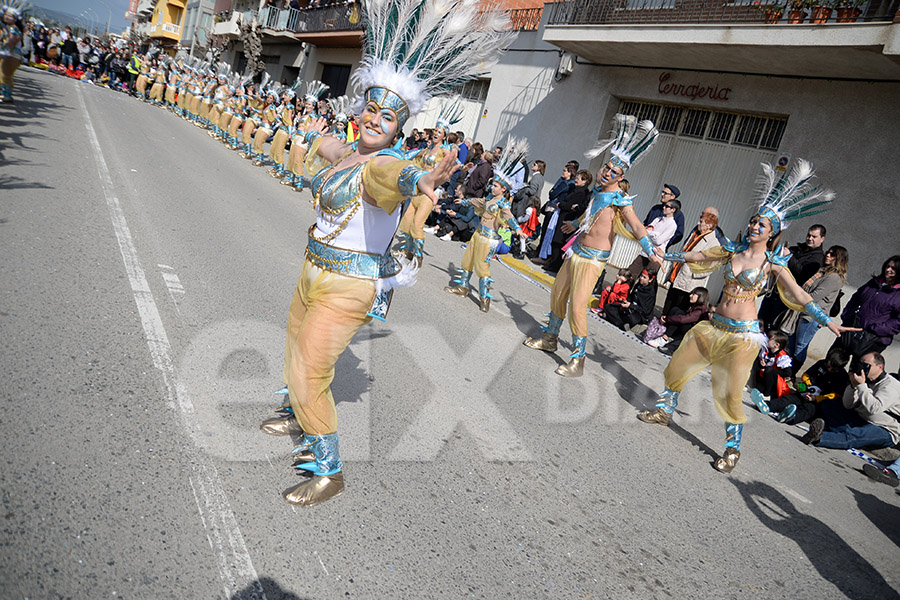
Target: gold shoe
455, 288
546, 342
257, 163
281, 426
286, 182
302, 457
658, 416
575, 368
728, 461
485, 304
315, 490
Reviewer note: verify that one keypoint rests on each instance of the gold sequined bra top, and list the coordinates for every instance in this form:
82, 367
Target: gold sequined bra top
745, 286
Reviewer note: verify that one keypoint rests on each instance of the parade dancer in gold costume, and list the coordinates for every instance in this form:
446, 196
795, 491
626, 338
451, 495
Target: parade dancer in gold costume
299, 146
412, 225
607, 213
10, 45
731, 340
495, 212
349, 273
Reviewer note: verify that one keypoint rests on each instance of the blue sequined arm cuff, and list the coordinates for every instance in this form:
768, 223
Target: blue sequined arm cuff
818, 315
647, 245
312, 136
514, 225
409, 180
674, 257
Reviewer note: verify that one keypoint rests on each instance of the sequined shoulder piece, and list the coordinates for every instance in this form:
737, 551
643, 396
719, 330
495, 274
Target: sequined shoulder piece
776, 258
734, 247
621, 200
392, 152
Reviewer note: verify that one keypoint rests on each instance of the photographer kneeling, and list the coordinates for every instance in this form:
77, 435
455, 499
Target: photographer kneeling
872, 403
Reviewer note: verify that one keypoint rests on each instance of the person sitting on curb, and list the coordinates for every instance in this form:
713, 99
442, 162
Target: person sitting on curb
873, 409
825, 381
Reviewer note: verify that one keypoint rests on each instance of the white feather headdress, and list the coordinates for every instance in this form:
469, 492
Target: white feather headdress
631, 139
314, 90
510, 161
790, 197
16, 7
341, 108
422, 48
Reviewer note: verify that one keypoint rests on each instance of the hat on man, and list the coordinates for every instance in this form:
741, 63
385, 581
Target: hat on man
673, 189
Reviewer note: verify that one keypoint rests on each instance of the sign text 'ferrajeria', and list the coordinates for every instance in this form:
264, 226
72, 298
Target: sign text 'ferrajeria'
692, 91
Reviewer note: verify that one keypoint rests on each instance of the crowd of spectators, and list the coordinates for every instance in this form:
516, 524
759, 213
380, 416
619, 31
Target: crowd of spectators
101, 61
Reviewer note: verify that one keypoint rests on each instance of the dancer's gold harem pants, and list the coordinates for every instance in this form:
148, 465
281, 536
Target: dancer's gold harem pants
730, 357
572, 290
8, 66
413, 220
326, 311
276, 148
156, 91
473, 259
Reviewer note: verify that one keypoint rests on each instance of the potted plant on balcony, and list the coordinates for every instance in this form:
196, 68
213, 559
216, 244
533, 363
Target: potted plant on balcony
771, 11
797, 13
847, 10
821, 12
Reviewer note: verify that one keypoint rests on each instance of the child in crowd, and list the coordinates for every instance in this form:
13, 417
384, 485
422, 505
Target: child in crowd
638, 308
771, 370
617, 293
678, 321
824, 381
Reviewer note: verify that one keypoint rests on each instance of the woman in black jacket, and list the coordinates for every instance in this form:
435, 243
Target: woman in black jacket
570, 208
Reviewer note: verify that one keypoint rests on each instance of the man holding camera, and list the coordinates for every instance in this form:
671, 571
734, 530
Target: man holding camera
873, 408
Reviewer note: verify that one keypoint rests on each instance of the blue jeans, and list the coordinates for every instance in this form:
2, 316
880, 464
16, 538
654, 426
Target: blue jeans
67, 60
846, 429
895, 467
799, 341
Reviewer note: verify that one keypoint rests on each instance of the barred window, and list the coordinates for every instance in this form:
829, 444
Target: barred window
739, 129
476, 90
695, 122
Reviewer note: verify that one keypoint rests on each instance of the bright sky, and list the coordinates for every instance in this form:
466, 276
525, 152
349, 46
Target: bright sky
114, 10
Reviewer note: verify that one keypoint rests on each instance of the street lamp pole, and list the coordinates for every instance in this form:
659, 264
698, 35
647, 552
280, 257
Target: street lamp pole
109, 17
94, 20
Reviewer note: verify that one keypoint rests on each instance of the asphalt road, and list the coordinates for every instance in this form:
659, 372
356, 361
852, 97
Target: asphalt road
145, 277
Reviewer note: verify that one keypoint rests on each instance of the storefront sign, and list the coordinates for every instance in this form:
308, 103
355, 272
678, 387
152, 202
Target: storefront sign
692, 91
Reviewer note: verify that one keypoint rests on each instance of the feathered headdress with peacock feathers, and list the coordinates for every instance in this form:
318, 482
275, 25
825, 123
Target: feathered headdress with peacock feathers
790, 197
451, 114
417, 49
511, 161
631, 139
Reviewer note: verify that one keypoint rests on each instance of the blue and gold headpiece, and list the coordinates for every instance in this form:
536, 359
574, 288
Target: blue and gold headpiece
387, 98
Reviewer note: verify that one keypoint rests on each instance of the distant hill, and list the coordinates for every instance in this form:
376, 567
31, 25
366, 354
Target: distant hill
55, 17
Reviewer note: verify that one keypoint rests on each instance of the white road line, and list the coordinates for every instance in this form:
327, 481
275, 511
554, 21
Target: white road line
235, 567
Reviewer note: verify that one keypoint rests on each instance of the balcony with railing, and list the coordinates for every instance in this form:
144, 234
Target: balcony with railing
279, 20
635, 12
740, 36
340, 25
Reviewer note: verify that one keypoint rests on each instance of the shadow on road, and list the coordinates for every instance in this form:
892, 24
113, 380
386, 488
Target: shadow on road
826, 551
35, 107
266, 587
884, 516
